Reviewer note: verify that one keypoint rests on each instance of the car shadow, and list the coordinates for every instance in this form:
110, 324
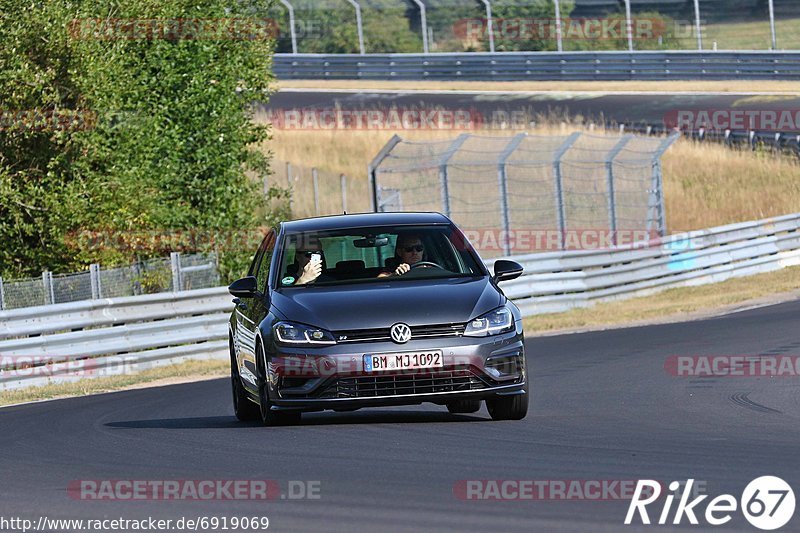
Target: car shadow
309, 419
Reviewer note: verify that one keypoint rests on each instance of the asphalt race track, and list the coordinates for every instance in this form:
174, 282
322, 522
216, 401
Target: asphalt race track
621, 108
604, 408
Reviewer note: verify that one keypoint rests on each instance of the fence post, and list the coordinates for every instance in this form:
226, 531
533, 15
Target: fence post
343, 180
359, 26
488, 5
501, 177
612, 199
2, 295
443, 178
772, 24
697, 25
559, 32
47, 284
424, 24
372, 170
94, 276
175, 262
315, 179
137, 276
629, 25
291, 25
658, 186
560, 210
289, 185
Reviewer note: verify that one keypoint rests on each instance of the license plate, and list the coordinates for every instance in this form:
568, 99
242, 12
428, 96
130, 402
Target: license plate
403, 361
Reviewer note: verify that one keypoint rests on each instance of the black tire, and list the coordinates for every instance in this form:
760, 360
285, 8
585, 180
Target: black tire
508, 407
244, 409
267, 416
464, 406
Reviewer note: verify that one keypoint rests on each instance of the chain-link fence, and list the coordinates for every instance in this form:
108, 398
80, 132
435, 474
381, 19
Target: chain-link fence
530, 193
316, 192
429, 26
177, 273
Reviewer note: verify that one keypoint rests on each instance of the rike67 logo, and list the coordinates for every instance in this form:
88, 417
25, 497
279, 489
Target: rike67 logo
767, 503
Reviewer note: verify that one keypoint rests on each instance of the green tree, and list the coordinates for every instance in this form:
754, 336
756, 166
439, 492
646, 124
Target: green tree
169, 143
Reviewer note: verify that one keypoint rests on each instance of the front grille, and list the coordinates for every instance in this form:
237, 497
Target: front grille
401, 384
382, 334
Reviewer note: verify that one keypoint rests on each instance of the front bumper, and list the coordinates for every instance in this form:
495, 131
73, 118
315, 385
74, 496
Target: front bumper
333, 377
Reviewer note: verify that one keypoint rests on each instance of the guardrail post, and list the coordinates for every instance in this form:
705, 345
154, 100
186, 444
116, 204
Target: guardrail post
343, 181
2, 295
501, 176
560, 210
359, 26
423, 18
94, 276
612, 199
47, 284
443, 177
291, 25
175, 263
315, 180
372, 170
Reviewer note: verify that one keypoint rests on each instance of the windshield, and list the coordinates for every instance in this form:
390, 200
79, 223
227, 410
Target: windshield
358, 255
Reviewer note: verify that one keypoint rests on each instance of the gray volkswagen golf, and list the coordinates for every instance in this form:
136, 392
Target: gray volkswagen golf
369, 310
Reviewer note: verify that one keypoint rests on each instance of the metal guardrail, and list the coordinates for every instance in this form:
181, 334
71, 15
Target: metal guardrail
96, 338
65, 342
559, 281
513, 66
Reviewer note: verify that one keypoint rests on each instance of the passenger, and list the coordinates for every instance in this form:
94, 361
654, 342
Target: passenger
307, 266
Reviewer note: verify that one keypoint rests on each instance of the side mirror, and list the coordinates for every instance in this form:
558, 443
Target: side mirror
244, 288
505, 270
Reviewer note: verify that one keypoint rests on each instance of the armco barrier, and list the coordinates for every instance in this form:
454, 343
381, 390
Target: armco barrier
559, 281
98, 337
64, 342
512, 66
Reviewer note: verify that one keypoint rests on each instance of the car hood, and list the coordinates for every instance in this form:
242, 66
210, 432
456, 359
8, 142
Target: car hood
381, 304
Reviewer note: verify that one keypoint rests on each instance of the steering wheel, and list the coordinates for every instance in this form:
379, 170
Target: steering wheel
426, 264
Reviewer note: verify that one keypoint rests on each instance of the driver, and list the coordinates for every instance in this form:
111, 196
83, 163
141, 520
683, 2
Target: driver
408, 251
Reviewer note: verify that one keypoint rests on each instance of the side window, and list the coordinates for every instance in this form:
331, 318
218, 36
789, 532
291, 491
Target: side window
265, 250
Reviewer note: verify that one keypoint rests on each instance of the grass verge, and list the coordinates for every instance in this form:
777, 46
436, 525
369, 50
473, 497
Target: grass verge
673, 305
188, 371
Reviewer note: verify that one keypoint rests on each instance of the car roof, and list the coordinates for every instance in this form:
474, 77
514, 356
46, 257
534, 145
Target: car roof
363, 220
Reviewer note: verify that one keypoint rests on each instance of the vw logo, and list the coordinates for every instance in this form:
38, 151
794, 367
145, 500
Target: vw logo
400, 333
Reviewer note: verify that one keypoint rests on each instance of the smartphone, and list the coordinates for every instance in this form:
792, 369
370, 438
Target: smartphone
316, 256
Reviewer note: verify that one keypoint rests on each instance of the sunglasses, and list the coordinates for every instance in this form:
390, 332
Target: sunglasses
415, 248
309, 254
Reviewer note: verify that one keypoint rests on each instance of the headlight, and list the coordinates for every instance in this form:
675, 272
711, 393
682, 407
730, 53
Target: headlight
299, 334
498, 321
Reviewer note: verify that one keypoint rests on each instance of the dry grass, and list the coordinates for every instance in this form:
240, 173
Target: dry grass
671, 304
188, 371
706, 184
738, 86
